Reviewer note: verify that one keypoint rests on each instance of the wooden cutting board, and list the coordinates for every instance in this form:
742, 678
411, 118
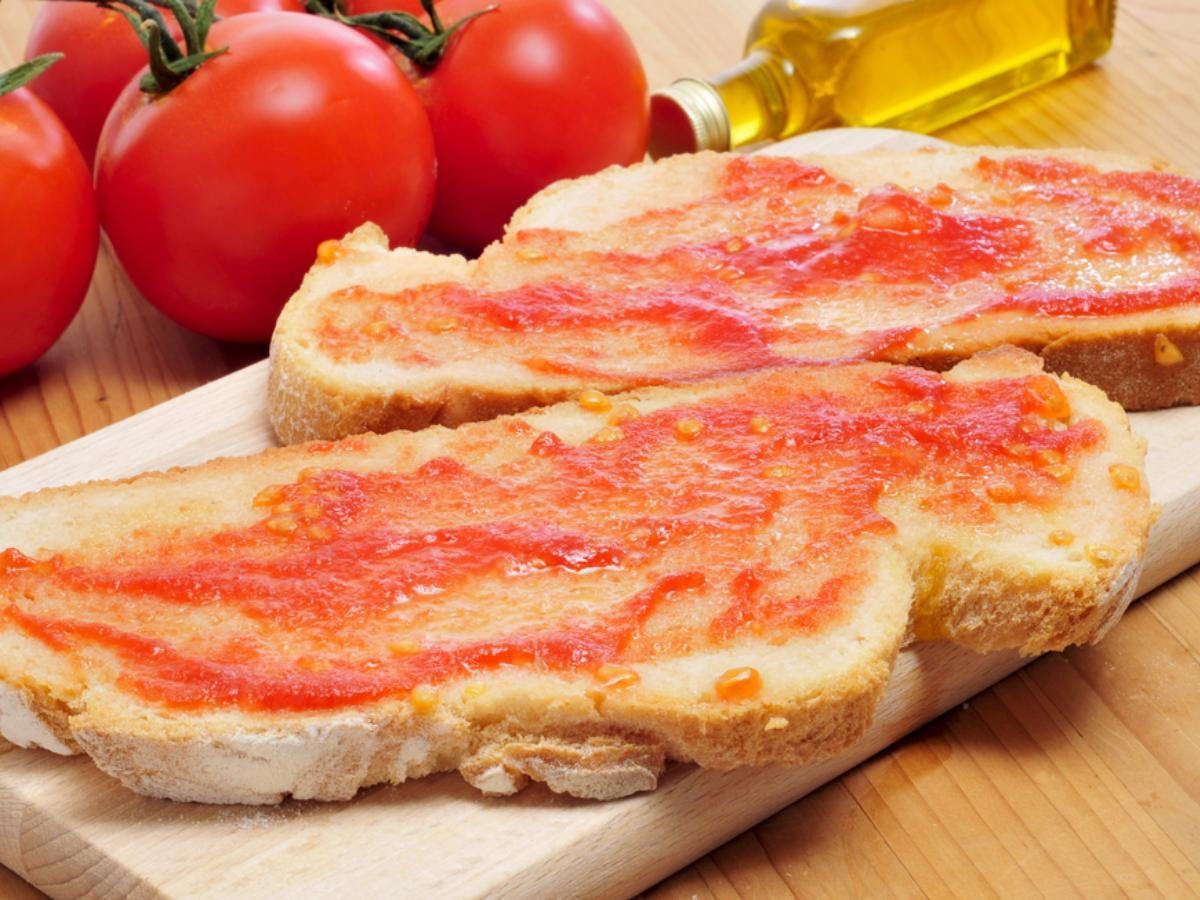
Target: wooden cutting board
73, 832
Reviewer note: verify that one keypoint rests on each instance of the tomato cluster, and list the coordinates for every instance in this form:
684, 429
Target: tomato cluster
220, 166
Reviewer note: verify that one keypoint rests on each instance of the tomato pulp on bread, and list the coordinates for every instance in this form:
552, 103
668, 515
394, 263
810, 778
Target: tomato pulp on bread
781, 260
637, 532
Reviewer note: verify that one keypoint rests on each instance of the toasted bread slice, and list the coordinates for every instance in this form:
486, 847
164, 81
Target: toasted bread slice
696, 266
720, 573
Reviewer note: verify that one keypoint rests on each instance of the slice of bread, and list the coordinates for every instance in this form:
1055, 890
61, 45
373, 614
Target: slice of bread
695, 266
720, 573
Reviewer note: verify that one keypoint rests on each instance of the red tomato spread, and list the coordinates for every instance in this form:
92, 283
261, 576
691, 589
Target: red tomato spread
749, 513
782, 261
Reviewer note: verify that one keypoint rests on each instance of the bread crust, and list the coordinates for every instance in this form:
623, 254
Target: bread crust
1129, 368
306, 404
1125, 363
265, 759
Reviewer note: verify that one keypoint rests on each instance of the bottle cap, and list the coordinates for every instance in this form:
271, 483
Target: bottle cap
686, 117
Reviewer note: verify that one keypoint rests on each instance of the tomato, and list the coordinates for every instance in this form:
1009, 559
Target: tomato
102, 54
48, 229
216, 194
534, 91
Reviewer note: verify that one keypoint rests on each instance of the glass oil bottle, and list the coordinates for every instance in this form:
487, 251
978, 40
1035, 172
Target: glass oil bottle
912, 64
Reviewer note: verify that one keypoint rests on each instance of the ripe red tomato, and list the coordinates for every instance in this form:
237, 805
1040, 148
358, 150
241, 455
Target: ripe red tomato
48, 229
534, 91
216, 194
102, 54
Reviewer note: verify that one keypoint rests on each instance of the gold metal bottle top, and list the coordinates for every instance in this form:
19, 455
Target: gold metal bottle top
687, 116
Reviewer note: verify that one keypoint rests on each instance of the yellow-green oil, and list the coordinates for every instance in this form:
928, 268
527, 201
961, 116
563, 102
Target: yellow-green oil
914, 64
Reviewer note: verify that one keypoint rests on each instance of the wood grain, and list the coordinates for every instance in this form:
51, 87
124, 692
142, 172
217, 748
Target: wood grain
1040, 781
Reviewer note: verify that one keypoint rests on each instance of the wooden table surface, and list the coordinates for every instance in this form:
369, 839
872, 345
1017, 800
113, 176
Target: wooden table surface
1078, 775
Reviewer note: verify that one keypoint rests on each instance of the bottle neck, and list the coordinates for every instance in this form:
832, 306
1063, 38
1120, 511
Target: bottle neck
762, 98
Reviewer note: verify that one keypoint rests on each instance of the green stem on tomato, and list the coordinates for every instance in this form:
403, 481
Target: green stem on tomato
139, 15
160, 77
21, 75
404, 31
170, 64
434, 18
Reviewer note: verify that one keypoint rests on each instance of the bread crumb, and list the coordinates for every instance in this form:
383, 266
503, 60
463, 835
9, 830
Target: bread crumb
775, 723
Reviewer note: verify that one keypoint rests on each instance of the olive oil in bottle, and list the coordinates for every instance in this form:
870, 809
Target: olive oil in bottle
914, 64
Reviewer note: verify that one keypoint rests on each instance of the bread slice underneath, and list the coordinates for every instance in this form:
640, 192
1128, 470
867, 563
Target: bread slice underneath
696, 266
720, 573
